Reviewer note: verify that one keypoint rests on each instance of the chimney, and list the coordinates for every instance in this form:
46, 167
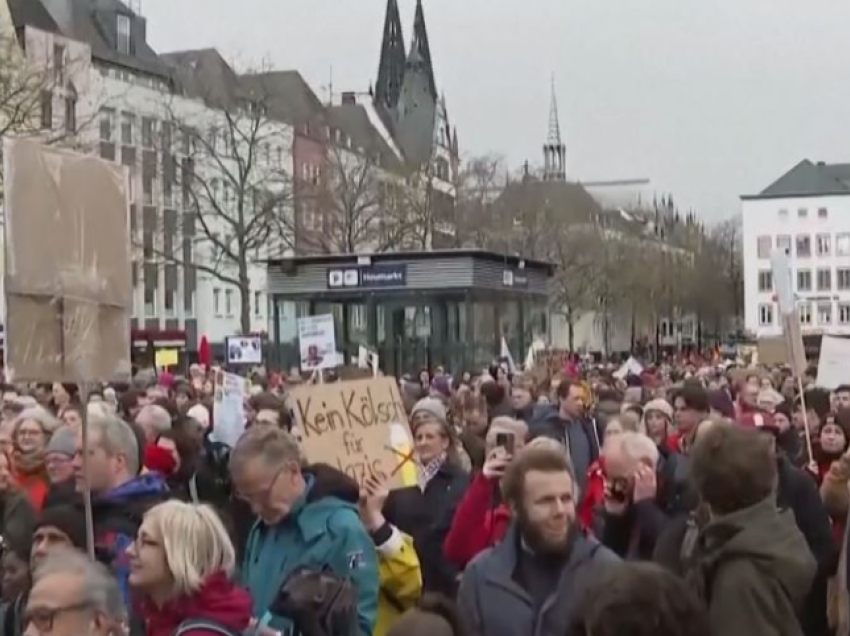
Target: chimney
821, 164
349, 98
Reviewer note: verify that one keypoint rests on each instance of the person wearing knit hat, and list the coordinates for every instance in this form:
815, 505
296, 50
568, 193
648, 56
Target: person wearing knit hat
657, 419
61, 526
59, 461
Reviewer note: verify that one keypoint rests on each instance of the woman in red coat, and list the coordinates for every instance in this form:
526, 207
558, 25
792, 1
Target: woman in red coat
181, 566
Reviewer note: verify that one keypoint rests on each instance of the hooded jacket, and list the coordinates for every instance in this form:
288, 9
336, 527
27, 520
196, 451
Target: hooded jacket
117, 516
323, 530
218, 601
575, 436
480, 522
753, 569
400, 577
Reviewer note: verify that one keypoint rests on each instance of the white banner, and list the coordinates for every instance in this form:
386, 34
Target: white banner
834, 364
317, 342
228, 408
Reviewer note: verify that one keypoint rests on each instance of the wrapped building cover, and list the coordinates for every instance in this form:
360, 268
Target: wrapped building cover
67, 280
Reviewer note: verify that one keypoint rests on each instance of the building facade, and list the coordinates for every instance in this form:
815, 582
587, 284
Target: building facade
805, 213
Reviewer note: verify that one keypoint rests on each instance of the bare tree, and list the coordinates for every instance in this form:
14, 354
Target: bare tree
479, 183
236, 189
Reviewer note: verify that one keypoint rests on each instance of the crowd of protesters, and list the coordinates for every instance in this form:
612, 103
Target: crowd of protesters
689, 500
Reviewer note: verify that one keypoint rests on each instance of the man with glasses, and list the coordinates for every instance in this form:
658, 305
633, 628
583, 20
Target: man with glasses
74, 596
307, 519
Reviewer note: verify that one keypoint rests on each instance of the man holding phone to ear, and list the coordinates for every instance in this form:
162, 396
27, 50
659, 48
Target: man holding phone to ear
631, 519
481, 519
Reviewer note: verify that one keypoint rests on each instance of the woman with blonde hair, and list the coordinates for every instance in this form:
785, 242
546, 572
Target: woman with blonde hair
33, 429
181, 569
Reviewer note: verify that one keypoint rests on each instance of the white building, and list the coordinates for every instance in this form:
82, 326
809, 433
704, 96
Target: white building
807, 213
113, 95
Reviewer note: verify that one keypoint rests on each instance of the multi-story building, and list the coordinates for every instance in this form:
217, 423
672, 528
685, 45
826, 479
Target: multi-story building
115, 96
806, 213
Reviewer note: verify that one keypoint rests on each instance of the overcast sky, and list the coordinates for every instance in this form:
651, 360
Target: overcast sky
709, 100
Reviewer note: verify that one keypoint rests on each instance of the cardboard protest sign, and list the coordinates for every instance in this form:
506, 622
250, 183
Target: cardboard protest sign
68, 280
834, 363
359, 427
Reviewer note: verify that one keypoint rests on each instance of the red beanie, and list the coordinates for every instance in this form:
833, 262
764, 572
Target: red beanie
160, 460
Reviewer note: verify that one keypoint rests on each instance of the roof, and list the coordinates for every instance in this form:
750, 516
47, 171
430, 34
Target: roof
570, 199
808, 179
353, 120
287, 95
33, 14
342, 259
204, 74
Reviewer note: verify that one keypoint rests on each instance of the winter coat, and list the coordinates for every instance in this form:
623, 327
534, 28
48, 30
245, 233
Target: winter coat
480, 522
492, 603
568, 433
634, 534
218, 601
427, 517
753, 569
117, 515
322, 531
17, 516
34, 483
797, 492
400, 578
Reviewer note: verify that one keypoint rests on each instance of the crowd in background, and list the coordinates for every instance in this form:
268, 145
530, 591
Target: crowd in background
691, 499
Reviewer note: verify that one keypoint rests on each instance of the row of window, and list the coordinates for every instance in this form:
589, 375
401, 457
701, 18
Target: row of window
824, 309
217, 139
803, 245
170, 301
803, 213
822, 279
230, 307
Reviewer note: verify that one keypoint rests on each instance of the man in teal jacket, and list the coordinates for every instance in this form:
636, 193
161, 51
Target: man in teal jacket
302, 523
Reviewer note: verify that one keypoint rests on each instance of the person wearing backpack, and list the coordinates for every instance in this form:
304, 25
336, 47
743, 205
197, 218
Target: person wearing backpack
181, 574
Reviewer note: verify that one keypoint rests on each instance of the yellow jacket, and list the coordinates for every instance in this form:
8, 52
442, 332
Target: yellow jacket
400, 580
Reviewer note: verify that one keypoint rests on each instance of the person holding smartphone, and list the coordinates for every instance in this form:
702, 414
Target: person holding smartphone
482, 519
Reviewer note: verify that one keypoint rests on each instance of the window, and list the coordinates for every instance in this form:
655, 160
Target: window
824, 280
822, 243
802, 213
842, 276
280, 156
258, 303
128, 129
822, 213
122, 28
765, 315
148, 133
805, 313
59, 64
765, 244
150, 302
71, 113
842, 245
107, 125
765, 281
46, 110
147, 189
804, 280
844, 313
228, 302
213, 138
783, 213
825, 313
170, 303
217, 301
783, 243
804, 246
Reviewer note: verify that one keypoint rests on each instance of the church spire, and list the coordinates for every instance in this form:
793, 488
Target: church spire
420, 50
554, 150
392, 64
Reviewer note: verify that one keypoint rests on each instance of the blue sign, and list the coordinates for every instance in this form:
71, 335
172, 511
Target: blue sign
368, 276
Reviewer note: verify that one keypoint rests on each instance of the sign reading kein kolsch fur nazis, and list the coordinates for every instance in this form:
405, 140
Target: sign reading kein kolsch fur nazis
359, 427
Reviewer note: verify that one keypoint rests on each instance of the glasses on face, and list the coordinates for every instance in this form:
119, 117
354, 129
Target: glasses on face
30, 432
43, 617
261, 497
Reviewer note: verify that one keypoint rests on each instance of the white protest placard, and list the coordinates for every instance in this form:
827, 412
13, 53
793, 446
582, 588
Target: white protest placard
229, 408
317, 342
834, 364
359, 427
630, 367
244, 349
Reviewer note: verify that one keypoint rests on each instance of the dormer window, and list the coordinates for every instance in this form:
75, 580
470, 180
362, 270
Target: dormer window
122, 28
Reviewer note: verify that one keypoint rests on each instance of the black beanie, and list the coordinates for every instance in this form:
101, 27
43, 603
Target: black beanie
68, 519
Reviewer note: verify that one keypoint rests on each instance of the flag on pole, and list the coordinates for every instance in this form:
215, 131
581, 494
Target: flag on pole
507, 357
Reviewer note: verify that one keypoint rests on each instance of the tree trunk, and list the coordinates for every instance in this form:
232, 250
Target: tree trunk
244, 299
571, 330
